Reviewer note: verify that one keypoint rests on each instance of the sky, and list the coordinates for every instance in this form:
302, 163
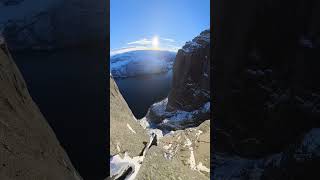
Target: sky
156, 24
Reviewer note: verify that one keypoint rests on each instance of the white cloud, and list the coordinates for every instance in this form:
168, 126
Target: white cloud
143, 41
127, 49
167, 44
168, 39
173, 48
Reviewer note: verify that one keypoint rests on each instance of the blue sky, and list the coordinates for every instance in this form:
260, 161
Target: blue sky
139, 24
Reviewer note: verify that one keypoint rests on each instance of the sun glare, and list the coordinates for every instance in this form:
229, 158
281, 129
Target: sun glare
155, 42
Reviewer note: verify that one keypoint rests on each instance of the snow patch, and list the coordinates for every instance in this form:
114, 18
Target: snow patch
198, 133
174, 119
198, 42
191, 160
144, 123
130, 128
170, 151
118, 147
119, 165
167, 147
201, 167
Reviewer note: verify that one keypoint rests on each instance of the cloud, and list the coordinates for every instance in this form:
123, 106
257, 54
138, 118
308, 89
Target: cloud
136, 48
173, 48
168, 39
146, 41
127, 49
166, 44
143, 41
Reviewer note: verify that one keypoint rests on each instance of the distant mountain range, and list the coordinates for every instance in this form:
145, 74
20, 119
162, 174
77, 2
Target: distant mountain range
141, 62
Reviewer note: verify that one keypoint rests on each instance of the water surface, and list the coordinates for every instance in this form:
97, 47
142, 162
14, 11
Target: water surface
142, 91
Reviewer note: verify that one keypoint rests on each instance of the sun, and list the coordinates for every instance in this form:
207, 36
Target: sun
155, 42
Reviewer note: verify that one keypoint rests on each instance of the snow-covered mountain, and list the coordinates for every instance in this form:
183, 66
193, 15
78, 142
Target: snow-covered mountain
135, 63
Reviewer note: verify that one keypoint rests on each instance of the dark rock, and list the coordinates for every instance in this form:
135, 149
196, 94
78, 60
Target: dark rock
188, 103
28, 146
266, 87
259, 76
191, 75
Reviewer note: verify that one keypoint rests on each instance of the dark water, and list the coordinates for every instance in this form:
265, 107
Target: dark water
70, 89
141, 92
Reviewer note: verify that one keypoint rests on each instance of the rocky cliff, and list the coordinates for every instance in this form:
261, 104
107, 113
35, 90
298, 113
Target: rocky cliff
266, 89
191, 75
139, 153
188, 103
53, 24
149, 148
183, 154
126, 133
29, 148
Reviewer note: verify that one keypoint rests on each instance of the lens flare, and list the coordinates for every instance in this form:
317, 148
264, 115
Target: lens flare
155, 42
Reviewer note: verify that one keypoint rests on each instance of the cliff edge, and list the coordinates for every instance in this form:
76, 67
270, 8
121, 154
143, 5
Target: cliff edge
29, 148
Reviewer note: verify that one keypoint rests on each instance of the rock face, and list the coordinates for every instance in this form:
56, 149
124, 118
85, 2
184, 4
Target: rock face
126, 134
142, 62
191, 75
184, 151
183, 154
188, 103
299, 161
266, 85
53, 24
29, 148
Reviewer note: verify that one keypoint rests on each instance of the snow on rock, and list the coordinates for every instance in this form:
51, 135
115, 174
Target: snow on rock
119, 166
128, 166
174, 120
182, 154
191, 75
130, 128
141, 62
197, 42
